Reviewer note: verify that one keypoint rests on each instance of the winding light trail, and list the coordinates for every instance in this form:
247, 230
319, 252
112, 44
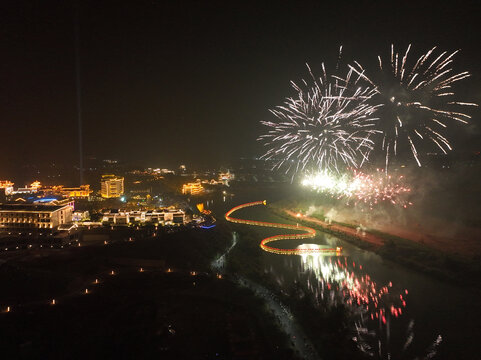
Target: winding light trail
309, 233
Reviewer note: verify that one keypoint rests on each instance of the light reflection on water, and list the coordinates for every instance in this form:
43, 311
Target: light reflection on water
438, 307
351, 285
334, 280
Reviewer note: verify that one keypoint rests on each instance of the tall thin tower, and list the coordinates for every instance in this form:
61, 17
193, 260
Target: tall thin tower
79, 95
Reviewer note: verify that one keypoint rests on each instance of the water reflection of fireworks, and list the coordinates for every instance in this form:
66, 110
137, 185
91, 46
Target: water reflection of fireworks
346, 282
336, 280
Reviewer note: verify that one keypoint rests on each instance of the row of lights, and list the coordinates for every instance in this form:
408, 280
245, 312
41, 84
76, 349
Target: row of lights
29, 246
112, 273
86, 291
61, 247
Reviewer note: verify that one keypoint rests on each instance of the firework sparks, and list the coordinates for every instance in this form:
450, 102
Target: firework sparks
328, 124
417, 101
360, 187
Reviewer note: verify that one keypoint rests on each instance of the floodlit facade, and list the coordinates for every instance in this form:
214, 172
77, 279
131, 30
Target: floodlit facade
80, 216
111, 186
226, 176
7, 186
82, 192
33, 188
164, 216
194, 188
34, 216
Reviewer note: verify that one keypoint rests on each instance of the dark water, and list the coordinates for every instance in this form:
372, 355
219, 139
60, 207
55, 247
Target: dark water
431, 307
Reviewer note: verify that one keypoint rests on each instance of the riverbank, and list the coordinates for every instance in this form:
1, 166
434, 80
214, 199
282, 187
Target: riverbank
326, 326
415, 255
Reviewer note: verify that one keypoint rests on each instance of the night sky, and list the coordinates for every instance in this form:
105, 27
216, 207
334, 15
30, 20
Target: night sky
171, 82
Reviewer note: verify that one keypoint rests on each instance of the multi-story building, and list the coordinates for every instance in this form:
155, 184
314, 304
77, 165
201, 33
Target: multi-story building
33, 188
34, 216
82, 192
111, 186
163, 216
194, 188
225, 177
7, 186
80, 216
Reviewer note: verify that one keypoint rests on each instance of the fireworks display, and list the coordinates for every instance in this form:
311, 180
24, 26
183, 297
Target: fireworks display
417, 101
403, 107
329, 123
361, 188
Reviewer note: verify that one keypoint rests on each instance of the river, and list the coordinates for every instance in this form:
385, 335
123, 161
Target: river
417, 308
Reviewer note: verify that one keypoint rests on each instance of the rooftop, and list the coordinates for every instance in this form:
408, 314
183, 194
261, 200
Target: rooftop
30, 207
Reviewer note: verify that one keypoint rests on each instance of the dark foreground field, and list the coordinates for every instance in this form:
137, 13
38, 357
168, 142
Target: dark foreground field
146, 315
175, 308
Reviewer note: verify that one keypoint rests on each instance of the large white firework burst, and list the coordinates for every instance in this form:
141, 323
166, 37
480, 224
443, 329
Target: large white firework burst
417, 101
327, 125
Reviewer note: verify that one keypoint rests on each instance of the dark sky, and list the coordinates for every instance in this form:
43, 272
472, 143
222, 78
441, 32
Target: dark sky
189, 81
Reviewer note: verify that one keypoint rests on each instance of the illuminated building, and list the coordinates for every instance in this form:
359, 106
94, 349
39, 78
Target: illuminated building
7, 186
163, 216
80, 216
194, 188
54, 201
81, 192
34, 216
159, 171
227, 176
34, 187
111, 186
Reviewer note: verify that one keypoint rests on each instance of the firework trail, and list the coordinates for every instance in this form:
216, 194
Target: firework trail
417, 101
368, 189
328, 124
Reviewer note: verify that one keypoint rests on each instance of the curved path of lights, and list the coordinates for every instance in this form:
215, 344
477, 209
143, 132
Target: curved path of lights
308, 233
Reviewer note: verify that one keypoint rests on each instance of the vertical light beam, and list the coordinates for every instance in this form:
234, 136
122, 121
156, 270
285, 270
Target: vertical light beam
78, 88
